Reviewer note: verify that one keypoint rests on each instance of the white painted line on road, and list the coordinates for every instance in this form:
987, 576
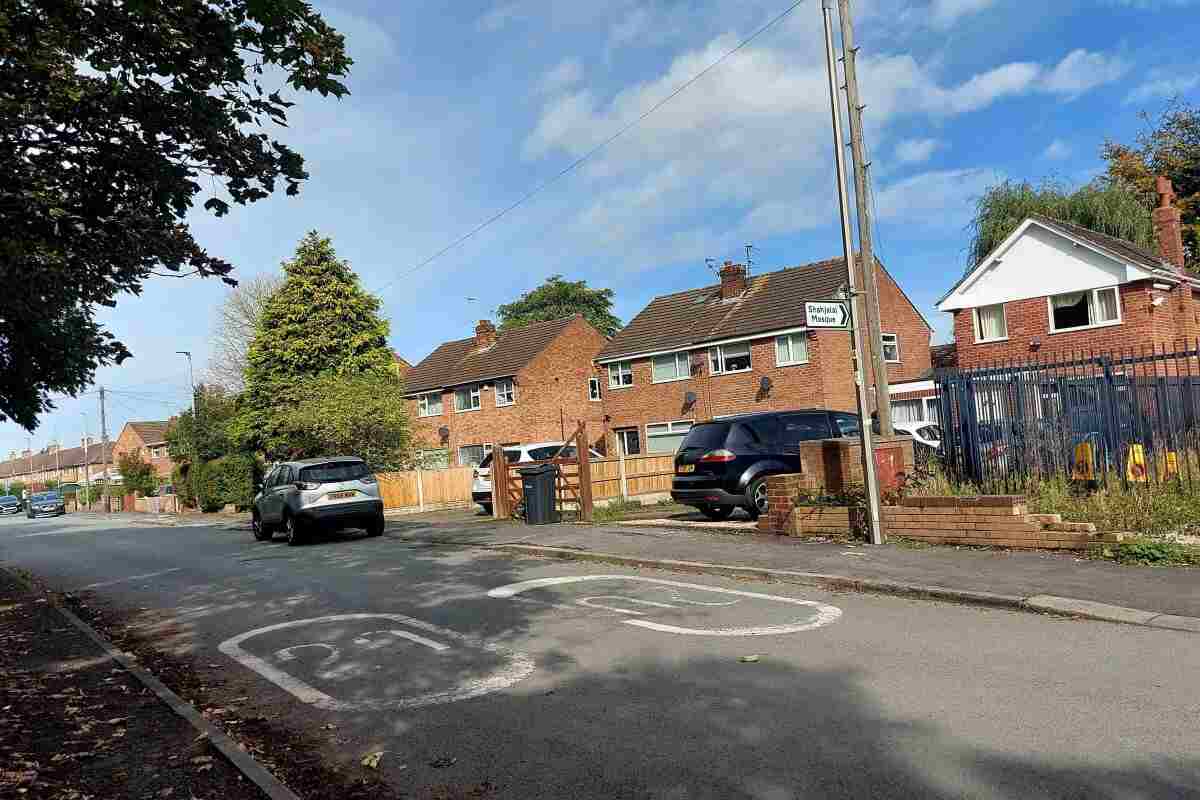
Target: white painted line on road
412, 637
518, 667
590, 602
53, 533
101, 584
289, 653
823, 614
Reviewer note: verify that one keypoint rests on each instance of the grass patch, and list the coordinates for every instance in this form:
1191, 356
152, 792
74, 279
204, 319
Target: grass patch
1159, 510
616, 510
905, 543
1148, 551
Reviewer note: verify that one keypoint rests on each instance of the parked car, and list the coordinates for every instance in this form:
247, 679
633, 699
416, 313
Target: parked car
925, 434
481, 480
297, 497
10, 505
44, 504
724, 464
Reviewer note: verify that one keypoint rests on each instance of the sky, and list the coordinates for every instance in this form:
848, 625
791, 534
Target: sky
457, 110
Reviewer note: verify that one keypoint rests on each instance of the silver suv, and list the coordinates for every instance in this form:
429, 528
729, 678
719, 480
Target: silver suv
335, 492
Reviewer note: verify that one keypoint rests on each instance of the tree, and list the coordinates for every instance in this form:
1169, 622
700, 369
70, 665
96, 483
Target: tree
115, 117
1108, 209
208, 437
136, 474
362, 415
1168, 146
320, 322
556, 299
237, 320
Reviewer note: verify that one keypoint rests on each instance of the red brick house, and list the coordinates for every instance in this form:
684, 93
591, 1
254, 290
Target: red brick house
743, 345
528, 384
917, 400
149, 440
1053, 288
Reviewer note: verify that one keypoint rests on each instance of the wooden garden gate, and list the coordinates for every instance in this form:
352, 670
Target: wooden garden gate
573, 489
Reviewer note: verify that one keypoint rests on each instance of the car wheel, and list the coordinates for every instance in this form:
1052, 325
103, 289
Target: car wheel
261, 530
756, 498
291, 530
716, 513
376, 526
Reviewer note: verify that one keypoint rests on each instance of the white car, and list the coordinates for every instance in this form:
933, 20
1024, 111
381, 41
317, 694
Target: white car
481, 484
925, 433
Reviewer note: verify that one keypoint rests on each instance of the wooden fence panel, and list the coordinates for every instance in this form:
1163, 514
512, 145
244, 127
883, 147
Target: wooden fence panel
431, 489
644, 474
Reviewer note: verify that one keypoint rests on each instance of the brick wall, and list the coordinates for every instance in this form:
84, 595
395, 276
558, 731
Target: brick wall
986, 521
551, 396
130, 442
1142, 325
898, 315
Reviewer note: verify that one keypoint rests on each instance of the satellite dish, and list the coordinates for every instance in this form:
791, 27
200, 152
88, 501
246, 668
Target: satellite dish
689, 398
765, 385
444, 432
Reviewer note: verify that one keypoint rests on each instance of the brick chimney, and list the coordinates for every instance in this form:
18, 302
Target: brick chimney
733, 280
485, 334
1166, 224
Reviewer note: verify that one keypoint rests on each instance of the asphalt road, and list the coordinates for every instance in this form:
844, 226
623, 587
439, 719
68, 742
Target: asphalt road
548, 680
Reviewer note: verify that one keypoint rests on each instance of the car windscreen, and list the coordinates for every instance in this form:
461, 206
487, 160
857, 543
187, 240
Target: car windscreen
545, 453
8, 498
512, 456
42, 496
706, 436
334, 472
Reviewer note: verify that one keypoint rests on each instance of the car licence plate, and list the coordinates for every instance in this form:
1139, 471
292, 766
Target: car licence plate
684, 468
340, 495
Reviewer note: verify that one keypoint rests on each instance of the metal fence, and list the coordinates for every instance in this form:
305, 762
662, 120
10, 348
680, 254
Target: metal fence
1131, 416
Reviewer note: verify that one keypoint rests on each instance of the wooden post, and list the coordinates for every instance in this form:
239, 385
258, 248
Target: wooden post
500, 505
585, 475
621, 467
420, 491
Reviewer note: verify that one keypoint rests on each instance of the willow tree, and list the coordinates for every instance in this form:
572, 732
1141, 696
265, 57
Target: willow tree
1108, 208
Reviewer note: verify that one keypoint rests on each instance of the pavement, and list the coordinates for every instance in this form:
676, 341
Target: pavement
464, 671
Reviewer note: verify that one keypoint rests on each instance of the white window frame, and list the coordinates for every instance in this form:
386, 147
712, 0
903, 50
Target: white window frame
473, 395
486, 446
682, 358
511, 390
978, 331
670, 431
594, 390
620, 434
617, 372
1094, 300
423, 403
883, 343
716, 358
791, 339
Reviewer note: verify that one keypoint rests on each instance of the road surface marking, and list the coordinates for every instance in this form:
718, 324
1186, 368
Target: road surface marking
412, 637
590, 602
101, 584
518, 667
822, 614
53, 533
289, 653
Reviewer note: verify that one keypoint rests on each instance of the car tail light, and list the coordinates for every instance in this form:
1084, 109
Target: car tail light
718, 457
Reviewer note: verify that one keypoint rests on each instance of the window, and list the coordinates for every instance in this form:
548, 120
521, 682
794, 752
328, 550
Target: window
506, 393
665, 437
908, 411
429, 405
730, 358
805, 427
990, 324
1088, 309
848, 425
891, 347
472, 455
671, 367
620, 374
594, 390
335, 472
466, 399
629, 441
791, 349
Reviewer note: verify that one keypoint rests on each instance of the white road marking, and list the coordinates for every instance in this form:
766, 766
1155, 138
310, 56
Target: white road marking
289, 653
412, 637
130, 578
823, 614
53, 533
678, 597
518, 667
590, 602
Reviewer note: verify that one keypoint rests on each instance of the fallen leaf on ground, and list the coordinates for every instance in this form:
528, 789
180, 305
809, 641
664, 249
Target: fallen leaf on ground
371, 760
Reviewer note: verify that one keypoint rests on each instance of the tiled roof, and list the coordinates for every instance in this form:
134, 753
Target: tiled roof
458, 362
150, 432
67, 457
772, 301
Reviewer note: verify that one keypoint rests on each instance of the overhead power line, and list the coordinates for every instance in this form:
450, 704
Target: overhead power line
574, 165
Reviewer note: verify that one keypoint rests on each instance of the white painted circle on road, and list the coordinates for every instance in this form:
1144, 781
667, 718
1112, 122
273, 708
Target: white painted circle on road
517, 667
821, 614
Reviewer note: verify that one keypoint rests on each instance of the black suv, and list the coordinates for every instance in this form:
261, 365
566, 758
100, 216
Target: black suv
724, 464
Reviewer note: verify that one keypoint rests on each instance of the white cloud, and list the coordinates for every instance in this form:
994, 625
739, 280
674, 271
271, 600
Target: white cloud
1082, 70
1163, 87
944, 197
916, 151
568, 73
944, 13
1057, 150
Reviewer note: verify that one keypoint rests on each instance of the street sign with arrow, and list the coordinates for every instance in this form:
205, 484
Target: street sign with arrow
827, 314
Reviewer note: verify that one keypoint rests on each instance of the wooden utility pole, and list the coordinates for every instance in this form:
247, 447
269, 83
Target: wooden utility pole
868, 304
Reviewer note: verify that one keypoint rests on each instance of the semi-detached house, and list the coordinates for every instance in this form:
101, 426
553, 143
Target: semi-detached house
518, 386
740, 346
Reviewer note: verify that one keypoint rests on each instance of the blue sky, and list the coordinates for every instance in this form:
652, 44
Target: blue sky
457, 109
